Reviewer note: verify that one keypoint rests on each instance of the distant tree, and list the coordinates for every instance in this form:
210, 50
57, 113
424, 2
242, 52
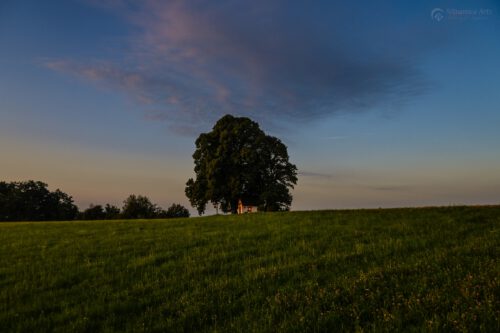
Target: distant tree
138, 207
177, 210
63, 206
32, 201
29, 201
94, 212
161, 213
237, 160
97, 212
7, 201
111, 212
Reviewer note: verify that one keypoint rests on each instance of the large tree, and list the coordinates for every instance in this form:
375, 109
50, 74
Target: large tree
237, 160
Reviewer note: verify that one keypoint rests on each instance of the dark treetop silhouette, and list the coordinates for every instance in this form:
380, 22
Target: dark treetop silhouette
32, 201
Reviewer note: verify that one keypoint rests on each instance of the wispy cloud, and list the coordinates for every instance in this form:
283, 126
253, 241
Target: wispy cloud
337, 137
391, 188
314, 174
347, 137
278, 62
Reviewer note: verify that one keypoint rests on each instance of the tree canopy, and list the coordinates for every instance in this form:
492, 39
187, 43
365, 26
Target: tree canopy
32, 201
238, 161
94, 212
176, 210
139, 207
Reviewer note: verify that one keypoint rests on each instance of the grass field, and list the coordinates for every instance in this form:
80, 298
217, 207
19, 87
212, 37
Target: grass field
433, 269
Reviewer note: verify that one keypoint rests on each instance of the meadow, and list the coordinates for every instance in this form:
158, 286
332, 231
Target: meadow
425, 269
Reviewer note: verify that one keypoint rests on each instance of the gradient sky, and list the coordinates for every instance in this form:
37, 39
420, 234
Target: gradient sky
380, 105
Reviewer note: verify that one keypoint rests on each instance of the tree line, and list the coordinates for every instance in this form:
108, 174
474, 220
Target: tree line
33, 201
236, 162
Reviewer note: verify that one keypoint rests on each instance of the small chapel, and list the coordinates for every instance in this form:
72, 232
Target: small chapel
246, 207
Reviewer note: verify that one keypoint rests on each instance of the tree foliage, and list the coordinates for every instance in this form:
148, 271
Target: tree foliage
177, 210
94, 212
98, 212
111, 212
138, 207
32, 201
237, 160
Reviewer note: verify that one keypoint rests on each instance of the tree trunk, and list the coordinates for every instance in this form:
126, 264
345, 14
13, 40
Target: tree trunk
234, 207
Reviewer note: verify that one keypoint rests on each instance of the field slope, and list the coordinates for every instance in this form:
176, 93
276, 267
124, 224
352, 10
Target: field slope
373, 270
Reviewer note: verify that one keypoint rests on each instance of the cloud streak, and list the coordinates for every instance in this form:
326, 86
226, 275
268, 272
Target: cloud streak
391, 188
279, 63
315, 175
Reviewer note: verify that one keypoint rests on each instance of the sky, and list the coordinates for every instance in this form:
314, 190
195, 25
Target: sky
381, 104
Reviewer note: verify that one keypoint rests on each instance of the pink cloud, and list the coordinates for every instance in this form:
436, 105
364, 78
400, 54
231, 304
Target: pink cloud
194, 61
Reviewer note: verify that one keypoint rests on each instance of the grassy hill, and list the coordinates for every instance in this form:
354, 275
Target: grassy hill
422, 269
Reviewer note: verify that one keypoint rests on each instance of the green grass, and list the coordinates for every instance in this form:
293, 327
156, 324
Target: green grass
429, 269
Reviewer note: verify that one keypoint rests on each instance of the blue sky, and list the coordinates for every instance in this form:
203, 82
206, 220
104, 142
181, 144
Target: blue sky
381, 105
